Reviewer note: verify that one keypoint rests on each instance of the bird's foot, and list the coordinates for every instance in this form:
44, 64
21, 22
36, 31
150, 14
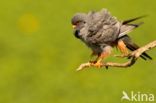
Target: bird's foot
98, 64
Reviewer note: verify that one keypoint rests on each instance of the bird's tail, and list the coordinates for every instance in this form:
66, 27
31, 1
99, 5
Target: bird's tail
132, 46
127, 26
133, 19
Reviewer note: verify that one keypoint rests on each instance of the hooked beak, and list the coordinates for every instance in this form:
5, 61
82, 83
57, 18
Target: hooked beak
74, 26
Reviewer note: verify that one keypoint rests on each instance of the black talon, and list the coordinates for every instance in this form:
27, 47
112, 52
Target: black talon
106, 67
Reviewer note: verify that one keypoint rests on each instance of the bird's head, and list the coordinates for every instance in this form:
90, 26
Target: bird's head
78, 22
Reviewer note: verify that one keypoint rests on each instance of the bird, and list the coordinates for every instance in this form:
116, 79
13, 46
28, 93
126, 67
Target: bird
101, 32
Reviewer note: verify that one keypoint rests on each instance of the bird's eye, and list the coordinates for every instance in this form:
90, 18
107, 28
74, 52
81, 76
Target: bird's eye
80, 22
77, 22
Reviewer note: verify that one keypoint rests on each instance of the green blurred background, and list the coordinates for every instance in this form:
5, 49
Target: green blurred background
39, 54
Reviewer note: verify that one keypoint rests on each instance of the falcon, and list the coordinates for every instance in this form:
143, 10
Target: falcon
101, 31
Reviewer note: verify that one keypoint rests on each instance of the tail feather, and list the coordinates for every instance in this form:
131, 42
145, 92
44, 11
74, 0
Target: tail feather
132, 46
131, 20
127, 26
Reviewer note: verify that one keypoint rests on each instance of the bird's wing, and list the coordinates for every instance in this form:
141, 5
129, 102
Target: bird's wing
104, 36
127, 28
133, 19
96, 20
102, 27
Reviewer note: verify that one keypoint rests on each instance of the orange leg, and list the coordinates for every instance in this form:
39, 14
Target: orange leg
100, 58
122, 47
106, 52
93, 54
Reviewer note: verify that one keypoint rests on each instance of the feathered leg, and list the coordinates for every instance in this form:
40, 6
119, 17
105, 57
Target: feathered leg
106, 52
132, 46
122, 47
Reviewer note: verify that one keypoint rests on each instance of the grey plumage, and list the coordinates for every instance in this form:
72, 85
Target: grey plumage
101, 30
